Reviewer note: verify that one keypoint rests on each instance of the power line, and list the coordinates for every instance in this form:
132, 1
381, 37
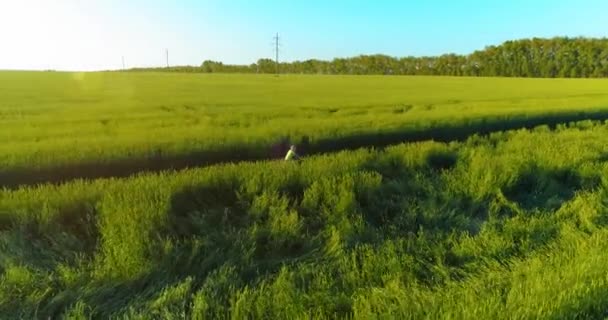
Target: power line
276, 51
167, 56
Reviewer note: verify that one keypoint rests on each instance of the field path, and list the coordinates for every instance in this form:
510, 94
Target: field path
124, 168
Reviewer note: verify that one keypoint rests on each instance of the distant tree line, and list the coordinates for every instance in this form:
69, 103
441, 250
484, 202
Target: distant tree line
549, 58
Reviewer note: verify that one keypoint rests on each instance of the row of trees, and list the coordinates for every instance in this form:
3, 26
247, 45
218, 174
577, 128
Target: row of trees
549, 58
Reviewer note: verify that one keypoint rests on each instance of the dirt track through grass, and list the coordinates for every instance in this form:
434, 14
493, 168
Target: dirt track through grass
133, 166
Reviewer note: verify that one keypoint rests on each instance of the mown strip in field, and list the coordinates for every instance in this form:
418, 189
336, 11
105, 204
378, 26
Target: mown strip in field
442, 131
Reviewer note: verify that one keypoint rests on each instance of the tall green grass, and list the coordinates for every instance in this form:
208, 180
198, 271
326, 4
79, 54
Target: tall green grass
506, 226
56, 126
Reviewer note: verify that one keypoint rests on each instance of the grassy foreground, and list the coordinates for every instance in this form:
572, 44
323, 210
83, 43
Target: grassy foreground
508, 226
68, 125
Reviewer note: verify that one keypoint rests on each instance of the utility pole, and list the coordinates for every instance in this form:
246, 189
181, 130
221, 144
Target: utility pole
167, 56
123, 62
276, 51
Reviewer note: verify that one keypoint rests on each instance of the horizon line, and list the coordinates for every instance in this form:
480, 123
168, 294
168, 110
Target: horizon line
160, 66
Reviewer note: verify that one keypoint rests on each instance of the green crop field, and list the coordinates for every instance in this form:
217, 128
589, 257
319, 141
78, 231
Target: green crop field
55, 126
488, 221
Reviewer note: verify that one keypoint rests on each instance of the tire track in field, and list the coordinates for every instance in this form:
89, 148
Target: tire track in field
13, 179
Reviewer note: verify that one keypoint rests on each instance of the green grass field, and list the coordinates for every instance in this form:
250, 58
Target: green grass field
71, 125
512, 224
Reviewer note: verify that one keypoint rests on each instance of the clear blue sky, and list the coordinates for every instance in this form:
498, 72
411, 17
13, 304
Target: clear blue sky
95, 34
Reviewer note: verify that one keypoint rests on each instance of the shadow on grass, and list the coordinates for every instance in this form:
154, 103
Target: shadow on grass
69, 235
13, 178
442, 159
539, 188
229, 226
